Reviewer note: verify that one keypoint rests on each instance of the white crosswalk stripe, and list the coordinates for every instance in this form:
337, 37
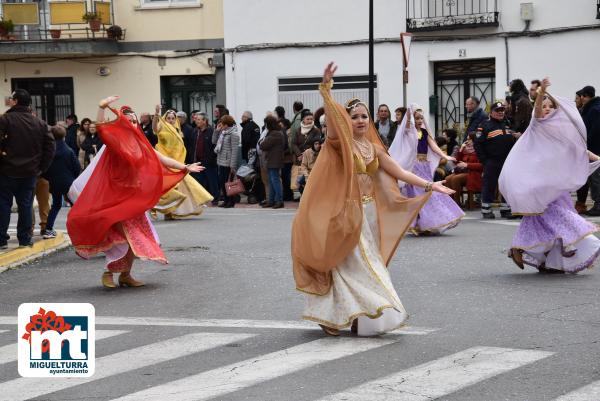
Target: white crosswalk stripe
591, 392
239, 375
431, 380
121, 362
441, 377
8, 353
229, 323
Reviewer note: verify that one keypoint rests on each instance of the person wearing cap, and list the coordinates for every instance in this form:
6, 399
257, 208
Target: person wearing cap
590, 113
26, 151
493, 142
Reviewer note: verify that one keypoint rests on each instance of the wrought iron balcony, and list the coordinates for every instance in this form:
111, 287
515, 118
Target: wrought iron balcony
435, 15
52, 20
46, 27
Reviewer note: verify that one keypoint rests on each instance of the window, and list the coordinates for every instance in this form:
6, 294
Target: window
169, 3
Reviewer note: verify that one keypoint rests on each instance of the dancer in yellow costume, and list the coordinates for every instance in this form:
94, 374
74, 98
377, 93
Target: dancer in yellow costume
188, 197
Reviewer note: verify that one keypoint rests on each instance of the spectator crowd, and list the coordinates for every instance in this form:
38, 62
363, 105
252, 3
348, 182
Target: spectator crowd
272, 156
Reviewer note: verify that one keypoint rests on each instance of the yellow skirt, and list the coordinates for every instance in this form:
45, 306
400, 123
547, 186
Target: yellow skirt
186, 199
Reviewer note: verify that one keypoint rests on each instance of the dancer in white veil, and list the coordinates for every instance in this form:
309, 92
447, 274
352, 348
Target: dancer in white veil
415, 150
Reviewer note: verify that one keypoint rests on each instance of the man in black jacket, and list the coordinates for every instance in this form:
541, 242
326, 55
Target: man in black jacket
590, 113
72, 128
476, 116
200, 148
146, 125
26, 151
250, 134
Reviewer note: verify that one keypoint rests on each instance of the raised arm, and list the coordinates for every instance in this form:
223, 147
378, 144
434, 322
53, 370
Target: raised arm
394, 169
325, 89
104, 103
156, 120
537, 108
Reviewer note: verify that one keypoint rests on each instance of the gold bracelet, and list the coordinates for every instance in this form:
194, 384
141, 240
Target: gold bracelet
428, 186
326, 85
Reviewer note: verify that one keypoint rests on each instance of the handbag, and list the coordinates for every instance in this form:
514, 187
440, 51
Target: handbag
234, 186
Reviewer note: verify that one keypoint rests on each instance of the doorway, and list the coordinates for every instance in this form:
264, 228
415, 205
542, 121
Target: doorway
51, 98
455, 81
189, 93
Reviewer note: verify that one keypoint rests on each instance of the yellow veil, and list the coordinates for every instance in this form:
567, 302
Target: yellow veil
170, 139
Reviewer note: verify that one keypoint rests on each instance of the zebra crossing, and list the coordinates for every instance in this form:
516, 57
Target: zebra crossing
431, 380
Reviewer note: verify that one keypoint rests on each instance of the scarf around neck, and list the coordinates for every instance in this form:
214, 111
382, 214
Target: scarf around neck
305, 129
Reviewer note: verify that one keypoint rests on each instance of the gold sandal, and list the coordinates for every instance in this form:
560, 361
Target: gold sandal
330, 331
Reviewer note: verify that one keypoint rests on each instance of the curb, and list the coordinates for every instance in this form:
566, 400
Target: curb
18, 256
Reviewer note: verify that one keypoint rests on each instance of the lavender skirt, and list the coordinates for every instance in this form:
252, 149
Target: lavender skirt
440, 213
558, 239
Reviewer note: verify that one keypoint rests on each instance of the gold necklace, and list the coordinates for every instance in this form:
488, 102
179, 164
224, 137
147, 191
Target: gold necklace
364, 148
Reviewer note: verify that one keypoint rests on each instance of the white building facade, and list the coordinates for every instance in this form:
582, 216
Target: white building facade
275, 51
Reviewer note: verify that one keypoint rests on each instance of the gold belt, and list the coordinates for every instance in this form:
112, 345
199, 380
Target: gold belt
422, 157
367, 198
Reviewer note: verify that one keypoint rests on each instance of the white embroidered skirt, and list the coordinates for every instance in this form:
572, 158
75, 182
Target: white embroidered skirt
361, 288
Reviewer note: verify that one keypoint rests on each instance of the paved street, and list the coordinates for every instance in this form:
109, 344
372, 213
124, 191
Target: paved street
222, 322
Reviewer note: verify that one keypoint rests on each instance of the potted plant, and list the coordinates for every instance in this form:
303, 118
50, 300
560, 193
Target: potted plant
55, 33
93, 19
6, 27
115, 32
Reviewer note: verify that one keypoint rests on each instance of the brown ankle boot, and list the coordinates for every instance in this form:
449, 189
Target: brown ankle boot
126, 280
107, 280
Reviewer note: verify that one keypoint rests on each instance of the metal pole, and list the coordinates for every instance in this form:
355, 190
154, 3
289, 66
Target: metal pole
371, 63
404, 80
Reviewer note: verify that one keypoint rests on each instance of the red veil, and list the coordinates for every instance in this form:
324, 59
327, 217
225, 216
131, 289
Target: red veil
128, 180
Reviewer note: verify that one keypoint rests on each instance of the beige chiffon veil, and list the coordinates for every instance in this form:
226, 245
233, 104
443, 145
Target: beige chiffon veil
327, 226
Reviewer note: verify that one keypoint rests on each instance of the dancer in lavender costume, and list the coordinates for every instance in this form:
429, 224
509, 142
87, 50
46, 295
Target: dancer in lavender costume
552, 237
415, 150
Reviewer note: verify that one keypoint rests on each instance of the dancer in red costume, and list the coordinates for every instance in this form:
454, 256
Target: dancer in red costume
125, 179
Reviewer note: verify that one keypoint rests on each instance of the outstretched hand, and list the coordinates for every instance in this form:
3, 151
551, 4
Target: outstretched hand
194, 168
329, 72
438, 186
545, 83
106, 101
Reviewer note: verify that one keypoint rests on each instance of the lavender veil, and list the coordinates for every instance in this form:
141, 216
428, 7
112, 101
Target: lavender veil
550, 158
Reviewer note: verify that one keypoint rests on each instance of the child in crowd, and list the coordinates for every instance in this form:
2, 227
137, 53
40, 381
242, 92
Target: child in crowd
62, 172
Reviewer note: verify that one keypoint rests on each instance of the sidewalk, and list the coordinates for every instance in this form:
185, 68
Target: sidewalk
15, 256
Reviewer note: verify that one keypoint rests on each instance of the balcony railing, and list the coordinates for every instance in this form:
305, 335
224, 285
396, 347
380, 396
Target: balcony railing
433, 15
45, 20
